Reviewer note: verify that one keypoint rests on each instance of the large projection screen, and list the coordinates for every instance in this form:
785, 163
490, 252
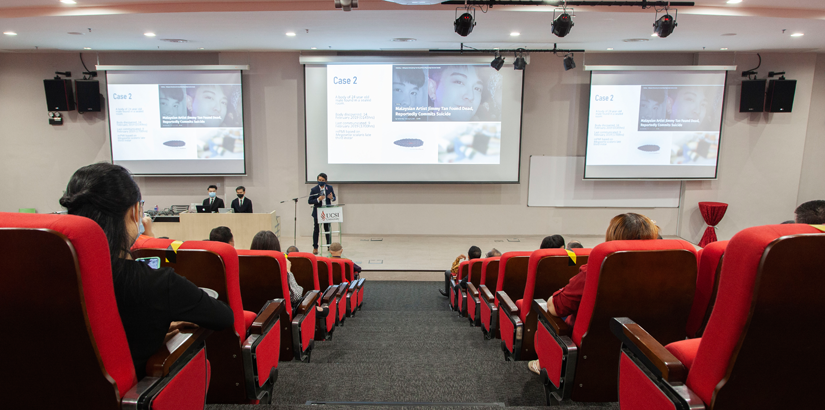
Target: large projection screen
176, 122
662, 123
412, 120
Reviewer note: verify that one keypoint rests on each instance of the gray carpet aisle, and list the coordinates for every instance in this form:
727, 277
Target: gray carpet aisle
406, 345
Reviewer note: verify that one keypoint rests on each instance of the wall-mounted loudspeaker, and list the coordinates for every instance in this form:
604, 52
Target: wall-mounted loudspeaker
88, 95
752, 98
59, 95
780, 95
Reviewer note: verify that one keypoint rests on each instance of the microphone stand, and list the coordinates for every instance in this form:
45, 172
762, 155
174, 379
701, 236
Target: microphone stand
295, 219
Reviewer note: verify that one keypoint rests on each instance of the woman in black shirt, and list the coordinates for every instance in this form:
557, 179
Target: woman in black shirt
148, 300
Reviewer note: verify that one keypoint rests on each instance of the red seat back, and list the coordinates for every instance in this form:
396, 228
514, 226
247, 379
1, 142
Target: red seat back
710, 259
548, 271
263, 276
305, 270
339, 270
474, 270
350, 270
489, 271
512, 274
772, 278
324, 272
462, 270
58, 269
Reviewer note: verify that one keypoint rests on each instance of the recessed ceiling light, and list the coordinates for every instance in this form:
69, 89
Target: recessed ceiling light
403, 39
734, 1
87, 48
654, 35
9, 33
200, 48
75, 33
290, 34
797, 34
635, 40
515, 34
728, 34
610, 48
313, 48
68, 1
149, 34
723, 48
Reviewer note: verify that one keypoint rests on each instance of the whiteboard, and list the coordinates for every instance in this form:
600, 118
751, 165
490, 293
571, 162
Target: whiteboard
557, 182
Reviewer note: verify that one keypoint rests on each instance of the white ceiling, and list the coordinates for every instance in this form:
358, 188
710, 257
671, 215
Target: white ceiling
223, 25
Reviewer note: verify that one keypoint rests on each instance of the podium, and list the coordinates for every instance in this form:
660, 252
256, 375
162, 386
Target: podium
330, 214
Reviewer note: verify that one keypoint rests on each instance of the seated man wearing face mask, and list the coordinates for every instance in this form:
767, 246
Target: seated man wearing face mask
242, 205
213, 203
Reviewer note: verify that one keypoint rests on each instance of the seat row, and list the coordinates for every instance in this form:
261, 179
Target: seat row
60, 274
642, 295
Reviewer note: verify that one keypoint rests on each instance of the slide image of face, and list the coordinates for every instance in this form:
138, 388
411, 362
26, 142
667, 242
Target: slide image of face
458, 88
652, 104
408, 86
209, 101
688, 103
172, 103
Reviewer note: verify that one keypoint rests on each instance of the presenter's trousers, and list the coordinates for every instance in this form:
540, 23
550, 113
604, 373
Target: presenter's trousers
316, 231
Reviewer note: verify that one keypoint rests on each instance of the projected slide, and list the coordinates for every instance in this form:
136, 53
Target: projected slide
412, 119
654, 125
176, 122
413, 114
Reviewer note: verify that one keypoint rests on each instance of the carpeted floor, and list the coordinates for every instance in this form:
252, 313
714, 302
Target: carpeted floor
407, 346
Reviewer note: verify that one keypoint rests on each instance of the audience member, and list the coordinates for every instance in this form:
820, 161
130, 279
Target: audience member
222, 234
292, 249
473, 253
493, 253
565, 301
811, 213
335, 251
240, 204
573, 245
267, 241
153, 303
552, 241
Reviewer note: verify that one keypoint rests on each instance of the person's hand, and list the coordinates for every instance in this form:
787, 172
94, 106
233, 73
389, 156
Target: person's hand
320, 199
147, 226
329, 196
182, 326
462, 257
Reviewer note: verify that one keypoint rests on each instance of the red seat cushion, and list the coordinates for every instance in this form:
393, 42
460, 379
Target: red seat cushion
248, 318
685, 351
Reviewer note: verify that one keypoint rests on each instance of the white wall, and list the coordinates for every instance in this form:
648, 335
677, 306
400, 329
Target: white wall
768, 162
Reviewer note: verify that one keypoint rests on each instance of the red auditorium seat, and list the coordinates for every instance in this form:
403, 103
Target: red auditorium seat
771, 286
476, 279
262, 277
512, 265
707, 283
65, 342
214, 265
305, 270
455, 289
489, 276
652, 280
342, 287
548, 271
344, 268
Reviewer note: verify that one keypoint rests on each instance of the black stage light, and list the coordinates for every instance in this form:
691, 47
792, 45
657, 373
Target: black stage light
464, 24
664, 26
569, 64
498, 62
562, 25
519, 64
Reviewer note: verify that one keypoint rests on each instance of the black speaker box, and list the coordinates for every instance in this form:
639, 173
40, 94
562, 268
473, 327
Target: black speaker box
780, 95
59, 95
752, 98
88, 95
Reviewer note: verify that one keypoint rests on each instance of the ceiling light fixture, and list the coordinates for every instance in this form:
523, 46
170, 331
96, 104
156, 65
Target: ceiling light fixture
498, 62
9, 33
797, 34
563, 23
465, 23
149, 34
87, 48
520, 63
515, 34
610, 49
68, 1
665, 25
734, 1
569, 64
346, 5
291, 34
723, 48
313, 48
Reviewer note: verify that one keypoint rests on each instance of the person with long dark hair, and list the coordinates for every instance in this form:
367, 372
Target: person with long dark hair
151, 302
267, 241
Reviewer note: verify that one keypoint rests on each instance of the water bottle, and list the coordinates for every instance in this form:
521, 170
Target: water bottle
156, 209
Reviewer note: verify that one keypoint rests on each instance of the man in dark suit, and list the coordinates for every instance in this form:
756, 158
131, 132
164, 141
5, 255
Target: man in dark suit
321, 194
212, 203
241, 205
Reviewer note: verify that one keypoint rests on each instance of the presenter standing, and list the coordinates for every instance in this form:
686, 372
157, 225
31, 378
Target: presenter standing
240, 204
321, 194
213, 203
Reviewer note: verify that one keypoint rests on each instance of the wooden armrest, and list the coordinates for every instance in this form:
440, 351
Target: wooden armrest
485, 294
658, 360
559, 326
506, 303
471, 289
309, 301
329, 294
161, 362
342, 289
353, 286
264, 321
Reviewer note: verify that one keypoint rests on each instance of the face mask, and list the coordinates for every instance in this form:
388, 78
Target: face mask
240, 196
212, 194
321, 183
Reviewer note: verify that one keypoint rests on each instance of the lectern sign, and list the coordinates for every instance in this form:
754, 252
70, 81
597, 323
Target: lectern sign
331, 214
